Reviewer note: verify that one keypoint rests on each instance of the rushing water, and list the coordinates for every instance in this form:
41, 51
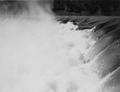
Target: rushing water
38, 54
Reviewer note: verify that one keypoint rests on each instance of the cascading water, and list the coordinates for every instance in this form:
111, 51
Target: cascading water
39, 54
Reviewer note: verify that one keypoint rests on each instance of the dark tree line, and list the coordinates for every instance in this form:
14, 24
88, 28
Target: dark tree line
80, 7
88, 7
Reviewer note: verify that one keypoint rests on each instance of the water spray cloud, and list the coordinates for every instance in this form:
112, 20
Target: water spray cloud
40, 54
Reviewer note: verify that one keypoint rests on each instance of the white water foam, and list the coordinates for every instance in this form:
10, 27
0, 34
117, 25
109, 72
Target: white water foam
38, 54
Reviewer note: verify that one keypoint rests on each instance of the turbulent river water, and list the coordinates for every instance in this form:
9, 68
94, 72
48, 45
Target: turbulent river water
39, 54
43, 56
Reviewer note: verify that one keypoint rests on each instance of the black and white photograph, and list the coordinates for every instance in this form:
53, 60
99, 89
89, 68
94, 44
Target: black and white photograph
59, 45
